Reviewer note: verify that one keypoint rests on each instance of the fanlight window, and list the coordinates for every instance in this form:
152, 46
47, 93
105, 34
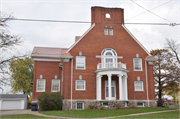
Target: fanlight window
109, 58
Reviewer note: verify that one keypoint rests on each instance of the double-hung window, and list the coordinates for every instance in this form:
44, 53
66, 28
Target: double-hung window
137, 64
105, 31
111, 32
80, 84
55, 87
80, 62
138, 85
41, 85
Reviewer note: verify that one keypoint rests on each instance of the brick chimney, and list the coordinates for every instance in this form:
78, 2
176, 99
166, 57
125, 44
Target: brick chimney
101, 14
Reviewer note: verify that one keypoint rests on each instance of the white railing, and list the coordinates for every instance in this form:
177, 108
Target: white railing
111, 65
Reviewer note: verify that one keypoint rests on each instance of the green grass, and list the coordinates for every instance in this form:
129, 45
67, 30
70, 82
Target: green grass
25, 116
175, 106
100, 113
170, 115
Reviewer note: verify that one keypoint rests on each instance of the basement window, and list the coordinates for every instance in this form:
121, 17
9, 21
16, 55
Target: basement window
140, 104
79, 105
105, 104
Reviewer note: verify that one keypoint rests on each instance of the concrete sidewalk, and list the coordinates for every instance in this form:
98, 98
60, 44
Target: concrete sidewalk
140, 114
15, 112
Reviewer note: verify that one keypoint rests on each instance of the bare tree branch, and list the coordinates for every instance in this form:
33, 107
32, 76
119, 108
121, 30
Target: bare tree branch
173, 47
8, 42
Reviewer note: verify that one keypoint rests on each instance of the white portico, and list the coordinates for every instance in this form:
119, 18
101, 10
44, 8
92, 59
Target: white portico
110, 67
109, 93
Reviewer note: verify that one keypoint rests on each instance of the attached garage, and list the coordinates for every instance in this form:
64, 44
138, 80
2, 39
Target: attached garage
13, 101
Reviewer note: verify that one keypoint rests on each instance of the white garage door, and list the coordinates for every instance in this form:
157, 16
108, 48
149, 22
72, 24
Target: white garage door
11, 104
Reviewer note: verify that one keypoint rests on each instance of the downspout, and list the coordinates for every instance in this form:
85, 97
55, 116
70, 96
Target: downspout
71, 80
147, 83
62, 83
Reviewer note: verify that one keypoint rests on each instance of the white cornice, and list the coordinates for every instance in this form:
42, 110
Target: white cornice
100, 56
80, 38
136, 40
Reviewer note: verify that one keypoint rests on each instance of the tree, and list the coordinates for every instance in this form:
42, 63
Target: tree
174, 48
165, 69
22, 75
8, 43
172, 89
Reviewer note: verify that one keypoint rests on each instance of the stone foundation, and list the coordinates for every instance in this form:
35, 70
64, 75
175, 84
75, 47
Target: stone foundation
111, 104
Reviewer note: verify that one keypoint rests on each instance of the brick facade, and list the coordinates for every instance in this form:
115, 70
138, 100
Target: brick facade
91, 45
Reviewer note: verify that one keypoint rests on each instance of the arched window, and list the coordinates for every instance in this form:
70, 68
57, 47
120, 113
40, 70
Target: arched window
109, 58
108, 15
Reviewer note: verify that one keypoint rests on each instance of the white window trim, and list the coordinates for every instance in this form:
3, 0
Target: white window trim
84, 63
37, 85
140, 102
84, 85
135, 86
82, 105
134, 64
51, 85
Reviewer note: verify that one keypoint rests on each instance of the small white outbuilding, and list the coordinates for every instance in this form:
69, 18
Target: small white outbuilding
13, 101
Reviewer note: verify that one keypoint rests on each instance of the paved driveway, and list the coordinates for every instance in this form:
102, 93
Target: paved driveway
15, 112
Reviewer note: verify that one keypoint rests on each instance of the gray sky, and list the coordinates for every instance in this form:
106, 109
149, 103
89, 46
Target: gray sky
48, 34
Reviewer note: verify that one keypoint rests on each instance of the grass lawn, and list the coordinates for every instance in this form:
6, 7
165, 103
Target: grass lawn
175, 106
100, 113
25, 116
170, 115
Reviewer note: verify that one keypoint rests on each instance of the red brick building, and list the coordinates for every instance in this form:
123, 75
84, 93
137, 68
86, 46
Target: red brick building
106, 65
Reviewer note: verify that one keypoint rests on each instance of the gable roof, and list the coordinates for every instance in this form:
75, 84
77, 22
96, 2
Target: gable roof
80, 38
48, 52
136, 40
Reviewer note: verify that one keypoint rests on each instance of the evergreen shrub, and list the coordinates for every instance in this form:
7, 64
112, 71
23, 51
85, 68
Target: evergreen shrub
50, 101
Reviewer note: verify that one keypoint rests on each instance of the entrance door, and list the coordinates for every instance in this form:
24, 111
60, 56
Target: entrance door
113, 90
109, 62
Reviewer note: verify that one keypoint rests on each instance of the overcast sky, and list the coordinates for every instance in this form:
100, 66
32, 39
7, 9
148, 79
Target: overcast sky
48, 34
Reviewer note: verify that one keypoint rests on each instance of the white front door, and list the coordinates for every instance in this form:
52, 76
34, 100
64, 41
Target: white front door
113, 90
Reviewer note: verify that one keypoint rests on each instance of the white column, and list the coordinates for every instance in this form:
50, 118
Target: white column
126, 91
0, 104
120, 87
109, 86
98, 87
